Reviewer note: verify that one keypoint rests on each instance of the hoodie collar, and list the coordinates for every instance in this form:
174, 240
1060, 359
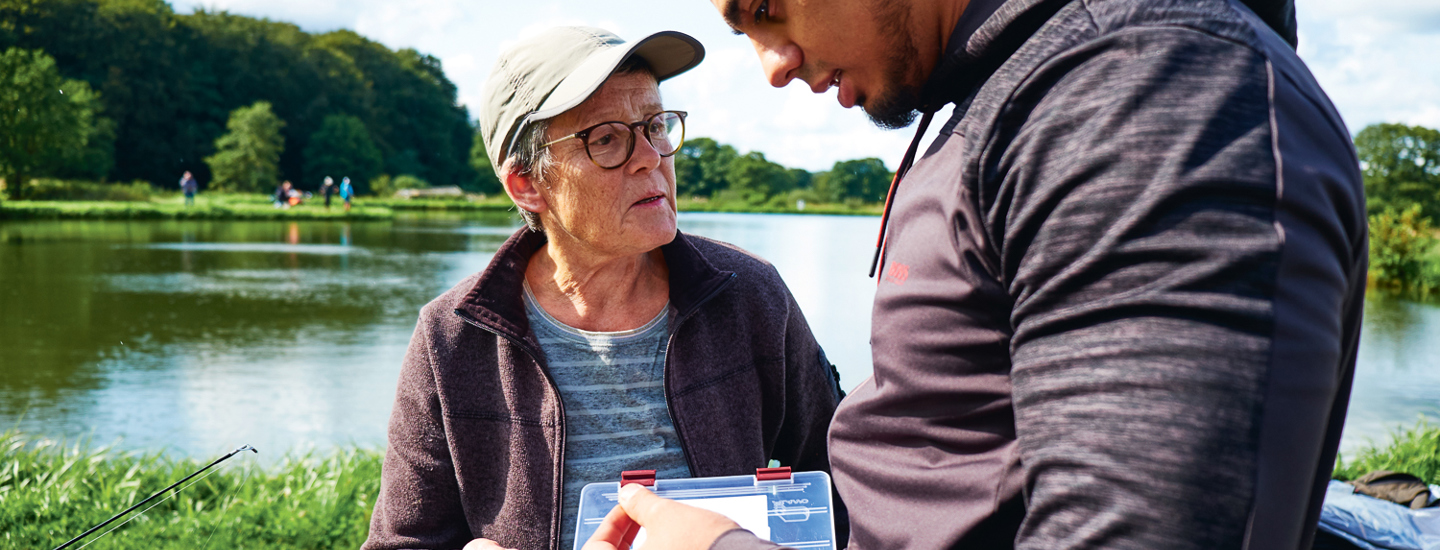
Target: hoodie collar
988, 32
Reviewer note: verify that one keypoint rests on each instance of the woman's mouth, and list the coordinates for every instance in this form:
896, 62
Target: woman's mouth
649, 200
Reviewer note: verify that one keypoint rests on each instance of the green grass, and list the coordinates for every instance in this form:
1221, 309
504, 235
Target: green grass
212, 207
1414, 450
50, 493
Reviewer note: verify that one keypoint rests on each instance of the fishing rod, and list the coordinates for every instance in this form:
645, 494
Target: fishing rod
157, 493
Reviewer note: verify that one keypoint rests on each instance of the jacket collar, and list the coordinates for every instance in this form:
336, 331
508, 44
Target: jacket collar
496, 301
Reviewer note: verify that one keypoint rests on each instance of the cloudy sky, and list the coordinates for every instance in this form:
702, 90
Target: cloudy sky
1377, 59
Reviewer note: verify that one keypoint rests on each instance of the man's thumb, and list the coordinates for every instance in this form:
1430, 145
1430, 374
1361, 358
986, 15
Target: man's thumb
639, 503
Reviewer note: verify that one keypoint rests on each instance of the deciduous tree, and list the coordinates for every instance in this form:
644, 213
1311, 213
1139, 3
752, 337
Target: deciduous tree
1401, 165
757, 179
702, 167
45, 120
342, 148
247, 157
865, 179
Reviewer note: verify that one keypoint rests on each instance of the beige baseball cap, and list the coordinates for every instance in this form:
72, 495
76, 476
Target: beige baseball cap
550, 73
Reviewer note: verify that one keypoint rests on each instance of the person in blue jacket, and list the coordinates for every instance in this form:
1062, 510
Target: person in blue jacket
347, 192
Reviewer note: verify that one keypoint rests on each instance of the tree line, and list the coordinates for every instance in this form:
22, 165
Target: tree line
1401, 167
155, 90
709, 169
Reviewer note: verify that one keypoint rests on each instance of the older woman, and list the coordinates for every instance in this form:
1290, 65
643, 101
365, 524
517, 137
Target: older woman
600, 339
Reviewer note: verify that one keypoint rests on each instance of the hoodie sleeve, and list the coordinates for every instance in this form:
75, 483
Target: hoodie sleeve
1136, 204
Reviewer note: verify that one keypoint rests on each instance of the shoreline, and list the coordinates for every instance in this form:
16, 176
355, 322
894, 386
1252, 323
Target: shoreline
258, 207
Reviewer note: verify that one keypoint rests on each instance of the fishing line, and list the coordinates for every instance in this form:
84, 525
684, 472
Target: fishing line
226, 510
142, 512
150, 498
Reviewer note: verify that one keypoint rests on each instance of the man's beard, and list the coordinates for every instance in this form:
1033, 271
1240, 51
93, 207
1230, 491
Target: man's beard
895, 106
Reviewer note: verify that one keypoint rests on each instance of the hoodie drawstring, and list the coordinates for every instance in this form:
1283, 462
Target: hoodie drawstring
900, 172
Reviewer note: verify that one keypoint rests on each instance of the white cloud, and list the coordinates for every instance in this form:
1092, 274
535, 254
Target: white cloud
1375, 59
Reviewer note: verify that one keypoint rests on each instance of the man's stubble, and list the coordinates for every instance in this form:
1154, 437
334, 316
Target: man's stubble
895, 106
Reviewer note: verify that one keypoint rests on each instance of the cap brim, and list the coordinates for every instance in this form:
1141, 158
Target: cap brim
669, 53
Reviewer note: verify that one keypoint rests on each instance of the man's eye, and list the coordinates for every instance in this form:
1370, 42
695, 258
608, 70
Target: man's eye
762, 12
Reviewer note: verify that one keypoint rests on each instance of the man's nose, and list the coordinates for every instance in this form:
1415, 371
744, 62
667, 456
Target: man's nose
780, 61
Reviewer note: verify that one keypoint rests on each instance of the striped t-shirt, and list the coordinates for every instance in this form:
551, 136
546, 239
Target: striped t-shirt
613, 388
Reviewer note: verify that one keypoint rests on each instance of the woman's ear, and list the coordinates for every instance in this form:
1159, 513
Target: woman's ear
523, 188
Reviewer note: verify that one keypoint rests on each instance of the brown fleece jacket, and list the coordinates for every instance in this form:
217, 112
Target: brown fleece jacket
477, 435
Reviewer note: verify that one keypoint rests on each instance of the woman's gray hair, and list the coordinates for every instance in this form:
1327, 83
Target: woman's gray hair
532, 158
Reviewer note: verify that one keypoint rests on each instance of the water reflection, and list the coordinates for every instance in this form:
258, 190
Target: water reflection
200, 336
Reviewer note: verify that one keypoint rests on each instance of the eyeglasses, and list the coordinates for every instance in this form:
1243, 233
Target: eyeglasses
610, 144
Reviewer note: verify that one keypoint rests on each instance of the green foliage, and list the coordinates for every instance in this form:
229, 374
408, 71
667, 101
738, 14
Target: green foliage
1415, 451
50, 493
63, 190
1402, 245
1401, 165
702, 167
170, 82
342, 148
48, 124
757, 179
865, 179
485, 180
246, 158
386, 186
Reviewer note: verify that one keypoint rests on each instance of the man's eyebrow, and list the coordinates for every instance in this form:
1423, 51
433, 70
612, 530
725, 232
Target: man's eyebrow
731, 13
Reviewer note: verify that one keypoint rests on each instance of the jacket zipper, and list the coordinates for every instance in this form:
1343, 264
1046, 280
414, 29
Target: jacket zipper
669, 403
558, 500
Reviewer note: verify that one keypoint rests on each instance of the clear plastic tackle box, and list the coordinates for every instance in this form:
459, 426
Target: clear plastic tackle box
792, 509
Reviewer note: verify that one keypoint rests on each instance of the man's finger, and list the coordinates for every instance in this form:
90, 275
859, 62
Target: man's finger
616, 532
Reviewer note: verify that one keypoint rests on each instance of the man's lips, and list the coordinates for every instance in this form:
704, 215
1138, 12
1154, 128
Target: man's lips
821, 86
845, 95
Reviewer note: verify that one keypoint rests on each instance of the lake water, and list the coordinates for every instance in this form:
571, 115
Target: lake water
197, 337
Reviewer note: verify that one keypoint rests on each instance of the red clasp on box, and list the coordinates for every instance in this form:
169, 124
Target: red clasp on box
643, 477
772, 474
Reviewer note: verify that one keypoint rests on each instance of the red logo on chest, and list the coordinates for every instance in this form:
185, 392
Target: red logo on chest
897, 273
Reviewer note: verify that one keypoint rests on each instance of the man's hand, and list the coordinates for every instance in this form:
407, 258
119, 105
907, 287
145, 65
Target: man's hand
668, 524
484, 544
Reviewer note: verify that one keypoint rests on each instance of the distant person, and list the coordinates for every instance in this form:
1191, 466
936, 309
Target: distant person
327, 189
189, 186
599, 339
347, 192
283, 194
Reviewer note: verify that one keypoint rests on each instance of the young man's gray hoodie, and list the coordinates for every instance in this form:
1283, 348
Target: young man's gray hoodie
1120, 294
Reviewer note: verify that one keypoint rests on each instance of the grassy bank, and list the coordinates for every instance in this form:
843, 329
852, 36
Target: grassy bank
218, 207
1414, 450
49, 494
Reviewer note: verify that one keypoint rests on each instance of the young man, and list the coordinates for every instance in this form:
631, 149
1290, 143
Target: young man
1120, 293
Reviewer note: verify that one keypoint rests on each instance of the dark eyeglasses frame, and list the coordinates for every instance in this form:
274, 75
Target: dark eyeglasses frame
584, 136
